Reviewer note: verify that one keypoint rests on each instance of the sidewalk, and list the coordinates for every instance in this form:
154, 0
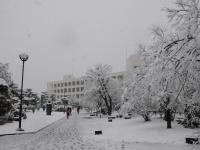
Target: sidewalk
32, 124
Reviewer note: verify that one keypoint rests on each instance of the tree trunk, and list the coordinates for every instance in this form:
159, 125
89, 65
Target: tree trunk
168, 118
109, 106
147, 118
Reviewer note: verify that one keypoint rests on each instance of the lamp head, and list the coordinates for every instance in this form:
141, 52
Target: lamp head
23, 56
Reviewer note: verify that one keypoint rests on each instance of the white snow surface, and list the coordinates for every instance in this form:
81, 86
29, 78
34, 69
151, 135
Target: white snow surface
78, 133
33, 123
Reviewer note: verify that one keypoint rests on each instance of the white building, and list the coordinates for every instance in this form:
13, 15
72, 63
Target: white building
69, 86
73, 87
133, 61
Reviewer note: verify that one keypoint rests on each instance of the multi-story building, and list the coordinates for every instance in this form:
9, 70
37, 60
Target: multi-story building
69, 86
73, 87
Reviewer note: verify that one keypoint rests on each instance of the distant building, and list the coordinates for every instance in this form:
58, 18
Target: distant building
118, 75
68, 86
133, 61
73, 87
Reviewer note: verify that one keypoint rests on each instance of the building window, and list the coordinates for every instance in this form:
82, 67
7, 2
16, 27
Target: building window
69, 83
77, 82
58, 91
73, 83
82, 82
58, 84
54, 91
65, 90
73, 89
65, 83
61, 84
82, 88
77, 89
61, 90
82, 95
55, 85
69, 89
77, 95
58, 96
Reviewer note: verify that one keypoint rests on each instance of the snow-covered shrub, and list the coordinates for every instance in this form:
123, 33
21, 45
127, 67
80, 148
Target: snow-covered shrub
5, 102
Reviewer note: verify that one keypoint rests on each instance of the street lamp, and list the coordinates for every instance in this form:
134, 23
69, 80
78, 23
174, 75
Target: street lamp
23, 57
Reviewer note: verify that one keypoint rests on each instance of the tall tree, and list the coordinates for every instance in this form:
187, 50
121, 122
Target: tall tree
4, 74
30, 97
5, 103
172, 61
46, 97
52, 98
98, 84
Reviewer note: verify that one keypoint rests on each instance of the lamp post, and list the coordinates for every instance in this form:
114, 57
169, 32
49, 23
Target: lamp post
23, 57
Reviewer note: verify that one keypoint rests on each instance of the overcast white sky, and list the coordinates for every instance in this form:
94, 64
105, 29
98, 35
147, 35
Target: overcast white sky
69, 36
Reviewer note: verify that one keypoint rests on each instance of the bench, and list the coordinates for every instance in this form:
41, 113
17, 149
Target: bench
191, 139
110, 120
119, 116
111, 117
127, 117
98, 132
92, 115
15, 118
179, 120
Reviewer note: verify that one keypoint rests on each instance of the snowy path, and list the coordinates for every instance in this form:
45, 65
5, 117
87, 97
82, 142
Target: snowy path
77, 133
60, 135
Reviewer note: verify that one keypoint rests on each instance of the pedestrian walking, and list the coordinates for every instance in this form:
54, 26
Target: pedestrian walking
70, 108
38, 108
68, 112
33, 109
78, 108
43, 108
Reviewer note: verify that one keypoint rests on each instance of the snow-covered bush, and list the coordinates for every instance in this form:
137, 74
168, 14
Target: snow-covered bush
5, 102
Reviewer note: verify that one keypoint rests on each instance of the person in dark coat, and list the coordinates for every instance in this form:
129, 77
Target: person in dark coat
70, 108
78, 108
33, 109
68, 112
43, 107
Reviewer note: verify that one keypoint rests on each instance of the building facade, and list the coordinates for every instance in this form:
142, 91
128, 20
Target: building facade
73, 87
69, 86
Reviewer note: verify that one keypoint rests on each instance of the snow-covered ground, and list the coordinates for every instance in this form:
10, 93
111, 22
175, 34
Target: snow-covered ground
78, 133
33, 123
